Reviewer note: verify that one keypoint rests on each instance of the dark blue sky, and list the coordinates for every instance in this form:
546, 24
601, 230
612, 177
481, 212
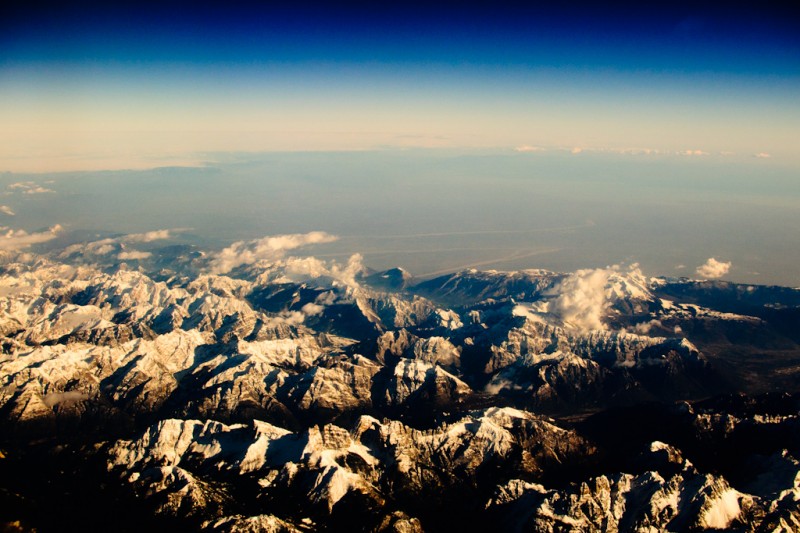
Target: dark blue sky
664, 36
181, 78
675, 113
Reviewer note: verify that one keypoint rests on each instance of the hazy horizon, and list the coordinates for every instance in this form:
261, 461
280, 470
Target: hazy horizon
438, 211
430, 137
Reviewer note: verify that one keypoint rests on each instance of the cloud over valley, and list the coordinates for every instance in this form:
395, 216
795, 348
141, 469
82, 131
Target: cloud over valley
268, 248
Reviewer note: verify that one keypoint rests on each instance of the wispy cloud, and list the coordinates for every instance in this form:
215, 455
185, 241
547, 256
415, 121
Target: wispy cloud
133, 255
117, 244
529, 148
762, 155
268, 248
7, 210
149, 236
38, 190
713, 269
29, 187
16, 239
628, 151
635, 151
68, 397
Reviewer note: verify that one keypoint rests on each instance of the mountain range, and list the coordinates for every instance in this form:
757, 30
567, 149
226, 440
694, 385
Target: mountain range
295, 394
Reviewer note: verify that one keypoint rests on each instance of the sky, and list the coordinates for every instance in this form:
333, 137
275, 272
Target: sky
94, 86
433, 137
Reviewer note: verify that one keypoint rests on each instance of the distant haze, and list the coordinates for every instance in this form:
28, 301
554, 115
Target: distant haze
434, 137
436, 211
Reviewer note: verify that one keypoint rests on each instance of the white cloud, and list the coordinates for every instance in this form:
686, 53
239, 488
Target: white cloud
644, 328
692, 152
113, 244
268, 248
325, 298
299, 269
579, 300
29, 187
713, 269
150, 236
302, 269
498, 383
529, 148
762, 155
347, 274
583, 300
133, 255
38, 190
293, 318
15, 239
312, 309
7, 210
635, 151
101, 247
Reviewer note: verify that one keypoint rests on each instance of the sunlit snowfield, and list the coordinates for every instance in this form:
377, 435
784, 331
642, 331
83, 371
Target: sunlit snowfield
437, 211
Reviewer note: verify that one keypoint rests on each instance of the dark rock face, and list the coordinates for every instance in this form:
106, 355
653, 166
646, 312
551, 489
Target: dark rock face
364, 402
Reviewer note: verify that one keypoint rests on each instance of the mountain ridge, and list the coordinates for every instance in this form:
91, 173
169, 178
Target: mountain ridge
286, 394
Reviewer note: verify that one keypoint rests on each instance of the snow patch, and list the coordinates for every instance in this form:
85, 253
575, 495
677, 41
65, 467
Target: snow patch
722, 510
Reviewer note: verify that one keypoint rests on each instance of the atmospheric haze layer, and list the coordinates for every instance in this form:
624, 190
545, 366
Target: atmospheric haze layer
438, 211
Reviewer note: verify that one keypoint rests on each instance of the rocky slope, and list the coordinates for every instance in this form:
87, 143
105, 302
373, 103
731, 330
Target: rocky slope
298, 394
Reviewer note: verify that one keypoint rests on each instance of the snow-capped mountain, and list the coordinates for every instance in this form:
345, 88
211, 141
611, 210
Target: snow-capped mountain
299, 394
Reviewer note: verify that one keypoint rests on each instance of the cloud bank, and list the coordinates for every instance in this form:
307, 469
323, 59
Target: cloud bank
133, 255
150, 236
29, 187
113, 244
38, 190
713, 269
269, 248
12, 239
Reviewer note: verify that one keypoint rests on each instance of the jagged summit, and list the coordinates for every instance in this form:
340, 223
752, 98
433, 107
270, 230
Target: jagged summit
326, 395
394, 279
